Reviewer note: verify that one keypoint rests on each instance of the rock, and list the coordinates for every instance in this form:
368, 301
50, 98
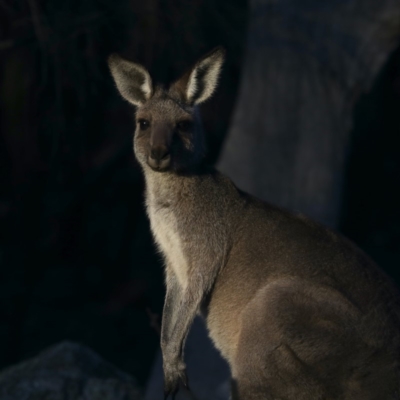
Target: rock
67, 371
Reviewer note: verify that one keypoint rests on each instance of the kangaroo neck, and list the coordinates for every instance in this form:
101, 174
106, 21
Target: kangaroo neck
169, 187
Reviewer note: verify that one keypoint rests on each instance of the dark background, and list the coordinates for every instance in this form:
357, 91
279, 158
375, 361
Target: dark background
76, 256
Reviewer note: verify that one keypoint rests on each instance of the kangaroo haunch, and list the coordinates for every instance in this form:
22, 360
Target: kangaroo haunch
298, 311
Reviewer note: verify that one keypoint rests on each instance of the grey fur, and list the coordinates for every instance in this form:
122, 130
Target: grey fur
298, 311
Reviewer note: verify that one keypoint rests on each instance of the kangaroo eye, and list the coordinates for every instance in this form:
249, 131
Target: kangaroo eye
143, 124
184, 126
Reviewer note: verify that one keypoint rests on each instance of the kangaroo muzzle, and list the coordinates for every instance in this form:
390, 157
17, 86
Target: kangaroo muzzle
160, 156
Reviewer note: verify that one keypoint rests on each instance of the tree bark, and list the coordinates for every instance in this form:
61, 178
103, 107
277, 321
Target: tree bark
306, 64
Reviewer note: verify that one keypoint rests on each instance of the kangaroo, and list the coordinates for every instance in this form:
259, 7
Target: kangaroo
299, 312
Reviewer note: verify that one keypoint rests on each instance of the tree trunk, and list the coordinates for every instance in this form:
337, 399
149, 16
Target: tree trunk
306, 63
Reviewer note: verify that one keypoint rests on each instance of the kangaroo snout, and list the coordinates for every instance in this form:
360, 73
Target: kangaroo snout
159, 158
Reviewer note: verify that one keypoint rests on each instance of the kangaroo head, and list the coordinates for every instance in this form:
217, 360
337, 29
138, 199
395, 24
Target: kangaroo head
168, 136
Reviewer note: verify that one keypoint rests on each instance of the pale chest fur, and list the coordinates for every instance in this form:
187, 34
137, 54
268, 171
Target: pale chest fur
164, 226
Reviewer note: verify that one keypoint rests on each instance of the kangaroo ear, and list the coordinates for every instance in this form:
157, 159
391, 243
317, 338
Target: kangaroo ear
132, 80
201, 81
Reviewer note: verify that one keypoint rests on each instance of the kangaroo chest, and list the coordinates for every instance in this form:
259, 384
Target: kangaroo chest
164, 226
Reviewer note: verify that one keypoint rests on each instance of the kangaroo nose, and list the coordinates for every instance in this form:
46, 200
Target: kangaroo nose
160, 158
159, 153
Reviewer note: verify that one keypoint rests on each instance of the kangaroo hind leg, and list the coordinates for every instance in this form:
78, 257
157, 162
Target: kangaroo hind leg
291, 341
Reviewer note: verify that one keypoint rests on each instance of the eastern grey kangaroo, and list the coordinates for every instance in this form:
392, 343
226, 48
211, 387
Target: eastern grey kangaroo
299, 312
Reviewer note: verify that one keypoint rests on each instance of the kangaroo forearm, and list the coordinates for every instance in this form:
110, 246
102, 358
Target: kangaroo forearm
179, 328
167, 323
171, 306
168, 320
